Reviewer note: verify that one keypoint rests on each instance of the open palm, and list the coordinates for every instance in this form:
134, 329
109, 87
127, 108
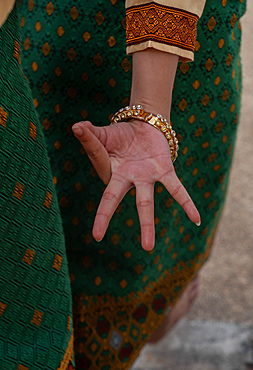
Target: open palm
130, 154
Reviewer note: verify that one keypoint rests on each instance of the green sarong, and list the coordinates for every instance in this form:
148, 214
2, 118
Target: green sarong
35, 296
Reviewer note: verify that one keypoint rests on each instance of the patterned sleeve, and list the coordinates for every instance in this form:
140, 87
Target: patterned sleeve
166, 25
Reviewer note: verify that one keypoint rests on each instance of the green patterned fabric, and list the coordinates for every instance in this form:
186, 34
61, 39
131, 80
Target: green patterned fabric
74, 58
35, 295
76, 64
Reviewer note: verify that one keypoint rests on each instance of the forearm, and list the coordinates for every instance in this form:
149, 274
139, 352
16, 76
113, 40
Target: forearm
152, 80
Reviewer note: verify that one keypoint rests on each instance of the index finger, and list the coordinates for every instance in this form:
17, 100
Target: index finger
95, 150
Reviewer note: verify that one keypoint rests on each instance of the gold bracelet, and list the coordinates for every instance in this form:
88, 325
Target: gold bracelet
159, 122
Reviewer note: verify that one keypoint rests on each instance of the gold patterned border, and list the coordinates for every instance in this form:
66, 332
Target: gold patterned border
119, 312
68, 355
162, 24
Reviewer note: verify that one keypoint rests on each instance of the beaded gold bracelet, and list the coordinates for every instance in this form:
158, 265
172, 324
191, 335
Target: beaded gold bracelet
159, 122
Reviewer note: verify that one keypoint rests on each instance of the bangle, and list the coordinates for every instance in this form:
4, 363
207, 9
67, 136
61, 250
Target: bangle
159, 122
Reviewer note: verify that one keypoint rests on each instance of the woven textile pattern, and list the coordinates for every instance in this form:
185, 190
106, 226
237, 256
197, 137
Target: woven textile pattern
74, 58
35, 297
162, 24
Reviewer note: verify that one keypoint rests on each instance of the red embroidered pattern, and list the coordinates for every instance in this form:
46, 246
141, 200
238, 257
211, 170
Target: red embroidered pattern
163, 24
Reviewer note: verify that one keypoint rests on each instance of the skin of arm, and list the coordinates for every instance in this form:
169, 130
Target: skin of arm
152, 80
135, 154
5, 8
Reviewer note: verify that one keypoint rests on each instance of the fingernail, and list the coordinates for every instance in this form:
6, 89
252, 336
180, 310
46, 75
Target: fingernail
77, 130
198, 223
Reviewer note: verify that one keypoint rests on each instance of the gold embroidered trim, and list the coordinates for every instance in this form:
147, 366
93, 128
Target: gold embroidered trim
161, 24
89, 309
16, 52
68, 354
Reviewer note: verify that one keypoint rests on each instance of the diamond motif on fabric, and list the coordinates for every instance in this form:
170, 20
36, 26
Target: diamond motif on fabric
38, 26
50, 8
98, 60
184, 67
209, 64
233, 20
71, 54
46, 49
60, 31
74, 13
86, 36
211, 23
99, 18
31, 5
134, 332
116, 340
126, 64
94, 347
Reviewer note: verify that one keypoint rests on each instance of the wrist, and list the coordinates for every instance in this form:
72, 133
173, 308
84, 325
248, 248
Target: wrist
152, 81
157, 121
153, 106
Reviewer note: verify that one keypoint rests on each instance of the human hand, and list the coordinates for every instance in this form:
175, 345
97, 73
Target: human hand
129, 154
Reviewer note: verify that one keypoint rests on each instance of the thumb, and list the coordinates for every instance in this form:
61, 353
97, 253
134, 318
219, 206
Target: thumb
98, 155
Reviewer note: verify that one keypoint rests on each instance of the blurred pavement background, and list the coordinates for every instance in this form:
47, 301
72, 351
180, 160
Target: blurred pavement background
217, 334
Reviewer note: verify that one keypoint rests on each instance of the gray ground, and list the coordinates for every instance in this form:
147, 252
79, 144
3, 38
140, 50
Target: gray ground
218, 332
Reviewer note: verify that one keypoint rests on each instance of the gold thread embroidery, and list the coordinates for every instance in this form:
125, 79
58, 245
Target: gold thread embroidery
129, 310
2, 308
37, 317
68, 354
163, 24
57, 262
3, 117
33, 131
18, 191
16, 52
28, 257
48, 199
69, 322
22, 367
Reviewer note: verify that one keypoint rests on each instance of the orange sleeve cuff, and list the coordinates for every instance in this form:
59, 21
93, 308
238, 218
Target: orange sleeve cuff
155, 24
